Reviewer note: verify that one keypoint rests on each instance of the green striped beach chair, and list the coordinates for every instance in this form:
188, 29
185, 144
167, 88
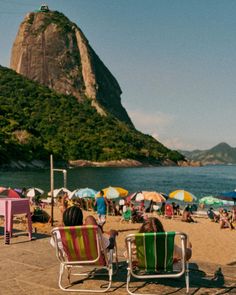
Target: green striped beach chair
152, 257
81, 247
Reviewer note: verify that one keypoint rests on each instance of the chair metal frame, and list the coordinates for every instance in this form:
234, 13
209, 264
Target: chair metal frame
130, 240
108, 254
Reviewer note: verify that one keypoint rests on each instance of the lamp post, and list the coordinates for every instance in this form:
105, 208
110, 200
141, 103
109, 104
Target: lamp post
64, 171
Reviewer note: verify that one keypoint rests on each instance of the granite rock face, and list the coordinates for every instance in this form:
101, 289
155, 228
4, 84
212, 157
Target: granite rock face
53, 51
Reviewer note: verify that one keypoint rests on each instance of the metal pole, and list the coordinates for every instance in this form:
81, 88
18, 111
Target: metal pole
52, 187
65, 178
64, 171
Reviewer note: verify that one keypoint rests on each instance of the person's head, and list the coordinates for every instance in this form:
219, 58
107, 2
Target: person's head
73, 216
90, 220
152, 224
101, 193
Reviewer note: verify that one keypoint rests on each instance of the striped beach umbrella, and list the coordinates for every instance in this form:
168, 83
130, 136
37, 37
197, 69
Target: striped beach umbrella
182, 195
211, 201
114, 192
34, 191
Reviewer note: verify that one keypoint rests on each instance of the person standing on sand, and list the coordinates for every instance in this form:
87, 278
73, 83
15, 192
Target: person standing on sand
102, 204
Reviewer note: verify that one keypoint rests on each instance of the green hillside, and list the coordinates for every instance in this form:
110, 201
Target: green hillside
220, 154
35, 122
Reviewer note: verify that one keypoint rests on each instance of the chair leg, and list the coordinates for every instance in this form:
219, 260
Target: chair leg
62, 267
29, 225
128, 281
187, 279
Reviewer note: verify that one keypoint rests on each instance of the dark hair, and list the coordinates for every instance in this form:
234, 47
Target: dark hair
73, 216
101, 193
152, 225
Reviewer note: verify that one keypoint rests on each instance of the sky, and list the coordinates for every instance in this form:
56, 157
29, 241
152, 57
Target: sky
175, 61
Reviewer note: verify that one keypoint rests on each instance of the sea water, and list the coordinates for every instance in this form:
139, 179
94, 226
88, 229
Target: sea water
201, 181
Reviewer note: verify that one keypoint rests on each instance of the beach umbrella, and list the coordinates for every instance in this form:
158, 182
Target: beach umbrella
182, 195
2, 189
34, 191
59, 192
210, 200
153, 196
114, 192
86, 193
138, 197
9, 193
228, 196
72, 195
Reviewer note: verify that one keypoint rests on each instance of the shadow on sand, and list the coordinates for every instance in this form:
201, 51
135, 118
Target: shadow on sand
198, 281
20, 234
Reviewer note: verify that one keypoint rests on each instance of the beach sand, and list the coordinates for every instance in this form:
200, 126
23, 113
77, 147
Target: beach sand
209, 242
212, 248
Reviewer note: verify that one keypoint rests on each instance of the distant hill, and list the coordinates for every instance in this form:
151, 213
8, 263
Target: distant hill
36, 122
218, 155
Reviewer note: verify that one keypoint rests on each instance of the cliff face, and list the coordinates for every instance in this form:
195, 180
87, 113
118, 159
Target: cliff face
53, 51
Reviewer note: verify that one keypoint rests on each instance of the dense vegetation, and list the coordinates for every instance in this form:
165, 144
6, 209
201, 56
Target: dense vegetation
35, 122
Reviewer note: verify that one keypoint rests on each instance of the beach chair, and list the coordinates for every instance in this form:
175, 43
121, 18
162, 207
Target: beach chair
169, 211
152, 257
81, 247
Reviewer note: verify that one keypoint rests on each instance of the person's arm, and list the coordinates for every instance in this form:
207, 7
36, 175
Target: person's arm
178, 252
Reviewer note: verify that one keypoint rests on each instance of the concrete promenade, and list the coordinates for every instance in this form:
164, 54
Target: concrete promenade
31, 267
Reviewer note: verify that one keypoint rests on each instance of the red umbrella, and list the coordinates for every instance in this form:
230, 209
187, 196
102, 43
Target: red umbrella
9, 193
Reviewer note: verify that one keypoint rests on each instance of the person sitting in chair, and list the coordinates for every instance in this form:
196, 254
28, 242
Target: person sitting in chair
153, 224
73, 216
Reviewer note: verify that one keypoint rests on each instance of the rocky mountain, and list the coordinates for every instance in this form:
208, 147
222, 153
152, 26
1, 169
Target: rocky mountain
53, 51
218, 155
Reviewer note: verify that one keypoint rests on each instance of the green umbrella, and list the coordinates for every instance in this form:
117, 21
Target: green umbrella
210, 200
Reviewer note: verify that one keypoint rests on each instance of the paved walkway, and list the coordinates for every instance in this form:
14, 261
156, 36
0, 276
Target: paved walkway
31, 267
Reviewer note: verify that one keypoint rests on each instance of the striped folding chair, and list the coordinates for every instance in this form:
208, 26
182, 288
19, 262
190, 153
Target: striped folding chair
151, 256
80, 247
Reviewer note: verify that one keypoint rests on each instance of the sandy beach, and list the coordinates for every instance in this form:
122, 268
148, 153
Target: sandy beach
212, 248
210, 243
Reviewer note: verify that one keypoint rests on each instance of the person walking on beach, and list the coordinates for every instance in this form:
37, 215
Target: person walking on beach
102, 204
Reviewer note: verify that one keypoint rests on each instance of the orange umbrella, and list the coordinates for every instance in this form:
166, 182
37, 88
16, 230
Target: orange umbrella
153, 196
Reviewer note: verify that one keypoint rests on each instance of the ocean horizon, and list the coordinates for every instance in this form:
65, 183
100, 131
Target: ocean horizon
201, 181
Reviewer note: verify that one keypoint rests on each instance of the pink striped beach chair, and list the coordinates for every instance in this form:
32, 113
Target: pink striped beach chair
81, 247
152, 257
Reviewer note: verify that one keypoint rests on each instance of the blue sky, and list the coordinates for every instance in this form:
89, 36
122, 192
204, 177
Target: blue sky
175, 61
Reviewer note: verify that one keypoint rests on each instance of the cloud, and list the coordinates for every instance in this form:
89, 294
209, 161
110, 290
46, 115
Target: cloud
160, 126
151, 121
174, 143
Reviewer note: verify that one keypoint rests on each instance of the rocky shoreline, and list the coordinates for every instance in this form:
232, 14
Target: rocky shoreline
38, 164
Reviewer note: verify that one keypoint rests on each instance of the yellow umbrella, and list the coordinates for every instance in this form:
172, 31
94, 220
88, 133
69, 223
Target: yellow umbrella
153, 196
115, 192
182, 195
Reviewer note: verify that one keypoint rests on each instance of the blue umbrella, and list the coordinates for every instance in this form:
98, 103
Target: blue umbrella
86, 193
228, 196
